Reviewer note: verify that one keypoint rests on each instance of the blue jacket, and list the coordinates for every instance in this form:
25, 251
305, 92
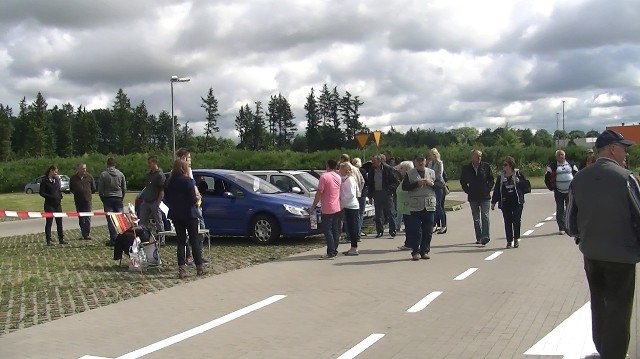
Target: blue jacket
498, 187
181, 199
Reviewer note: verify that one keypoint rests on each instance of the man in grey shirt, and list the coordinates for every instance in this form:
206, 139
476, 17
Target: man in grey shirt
603, 216
112, 187
152, 195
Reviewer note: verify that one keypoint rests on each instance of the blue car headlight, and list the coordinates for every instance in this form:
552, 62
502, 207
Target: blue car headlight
296, 211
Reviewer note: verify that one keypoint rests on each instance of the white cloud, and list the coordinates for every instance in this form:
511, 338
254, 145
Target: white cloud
439, 64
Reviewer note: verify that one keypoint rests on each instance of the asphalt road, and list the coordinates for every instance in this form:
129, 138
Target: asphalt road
467, 301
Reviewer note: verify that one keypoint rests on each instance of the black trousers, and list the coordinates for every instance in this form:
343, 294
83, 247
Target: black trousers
512, 215
49, 222
562, 201
612, 288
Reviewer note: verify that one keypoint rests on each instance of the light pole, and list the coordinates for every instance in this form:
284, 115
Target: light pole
562, 115
173, 119
557, 130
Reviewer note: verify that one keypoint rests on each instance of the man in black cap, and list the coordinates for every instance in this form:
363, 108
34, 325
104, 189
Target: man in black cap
603, 216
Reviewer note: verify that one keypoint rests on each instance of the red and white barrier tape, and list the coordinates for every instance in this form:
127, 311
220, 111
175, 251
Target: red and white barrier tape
33, 214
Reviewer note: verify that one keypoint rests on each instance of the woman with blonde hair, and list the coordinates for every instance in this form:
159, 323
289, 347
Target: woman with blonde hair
349, 206
362, 200
435, 163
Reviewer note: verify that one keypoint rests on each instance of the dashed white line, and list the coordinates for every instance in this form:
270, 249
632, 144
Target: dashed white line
424, 302
539, 225
493, 256
465, 274
201, 328
548, 218
527, 232
362, 346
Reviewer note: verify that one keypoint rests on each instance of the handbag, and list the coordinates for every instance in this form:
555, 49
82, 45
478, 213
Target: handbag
526, 184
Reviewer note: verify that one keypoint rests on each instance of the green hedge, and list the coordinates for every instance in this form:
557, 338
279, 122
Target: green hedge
531, 160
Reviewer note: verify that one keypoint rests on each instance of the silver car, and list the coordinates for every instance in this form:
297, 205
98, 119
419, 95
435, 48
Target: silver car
34, 186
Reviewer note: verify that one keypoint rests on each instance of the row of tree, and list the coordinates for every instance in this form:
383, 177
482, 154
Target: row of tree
332, 120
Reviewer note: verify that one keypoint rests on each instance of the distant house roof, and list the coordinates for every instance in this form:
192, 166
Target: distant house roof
630, 132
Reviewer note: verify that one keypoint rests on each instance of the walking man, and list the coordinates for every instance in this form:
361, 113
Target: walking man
112, 187
558, 178
82, 185
421, 203
152, 195
476, 179
604, 218
382, 185
328, 195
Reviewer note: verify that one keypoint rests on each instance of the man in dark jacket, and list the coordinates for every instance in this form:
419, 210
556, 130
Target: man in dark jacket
50, 191
476, 179
605, 225
81, 184
152, 195
112, 187
382, 184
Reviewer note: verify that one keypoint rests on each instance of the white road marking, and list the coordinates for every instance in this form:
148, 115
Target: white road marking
571, 339
424, 302
197, 330
465, 274
493, 256
548, 218
527, 232
362, 346
539, 225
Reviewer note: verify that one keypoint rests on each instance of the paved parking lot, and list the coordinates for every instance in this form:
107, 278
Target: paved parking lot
468, 301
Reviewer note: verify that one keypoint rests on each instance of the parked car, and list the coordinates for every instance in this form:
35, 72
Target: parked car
235, 203
34, 186
298, 182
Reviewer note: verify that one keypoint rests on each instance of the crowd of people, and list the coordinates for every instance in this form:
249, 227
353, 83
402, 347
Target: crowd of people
179, 192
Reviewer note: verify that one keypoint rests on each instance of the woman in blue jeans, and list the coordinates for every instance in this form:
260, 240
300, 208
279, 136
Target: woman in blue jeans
435, 163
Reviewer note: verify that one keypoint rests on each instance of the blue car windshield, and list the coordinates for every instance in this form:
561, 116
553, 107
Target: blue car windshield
252, 183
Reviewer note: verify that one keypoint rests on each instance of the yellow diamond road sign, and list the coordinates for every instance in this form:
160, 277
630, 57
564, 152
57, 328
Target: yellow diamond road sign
361, 139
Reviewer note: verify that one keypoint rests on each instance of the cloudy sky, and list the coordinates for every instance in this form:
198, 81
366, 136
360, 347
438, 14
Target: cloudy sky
427, 63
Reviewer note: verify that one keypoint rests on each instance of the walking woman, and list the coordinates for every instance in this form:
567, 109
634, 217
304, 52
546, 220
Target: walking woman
402, 205
435, 163
50, 191
181, 199
350, 207
508, 193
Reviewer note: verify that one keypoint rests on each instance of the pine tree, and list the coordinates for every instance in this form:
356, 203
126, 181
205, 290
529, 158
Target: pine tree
210, 105
18, 137
140, 130
61, 124
243, 125
38, 138
5, 133
313, 123
122, 115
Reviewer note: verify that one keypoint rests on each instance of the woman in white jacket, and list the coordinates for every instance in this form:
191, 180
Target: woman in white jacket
350, 206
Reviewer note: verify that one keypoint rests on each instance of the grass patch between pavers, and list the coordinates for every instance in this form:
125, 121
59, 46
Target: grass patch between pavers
41, 283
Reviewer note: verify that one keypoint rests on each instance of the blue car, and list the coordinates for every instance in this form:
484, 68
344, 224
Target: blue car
235, 203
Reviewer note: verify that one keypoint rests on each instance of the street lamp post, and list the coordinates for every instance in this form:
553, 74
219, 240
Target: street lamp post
562, 115
173, 119
557, 130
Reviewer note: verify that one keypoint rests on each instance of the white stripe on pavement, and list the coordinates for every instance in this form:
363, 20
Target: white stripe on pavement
424, 302
494, 256
465, 274
548, 218
527, 232
539, 225
362, 346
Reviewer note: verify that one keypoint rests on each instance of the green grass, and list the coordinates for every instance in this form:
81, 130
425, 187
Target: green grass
536, 183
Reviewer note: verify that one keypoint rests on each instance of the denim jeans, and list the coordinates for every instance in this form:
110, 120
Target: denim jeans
410, 232
362, 202
385, 209
112, 204
351, 225
421, 227
480, 215
331, 232
440, 219
562, 201
190, 227
83, 221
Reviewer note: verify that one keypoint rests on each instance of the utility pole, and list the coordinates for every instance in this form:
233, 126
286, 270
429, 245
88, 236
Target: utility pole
557, 130
563, 116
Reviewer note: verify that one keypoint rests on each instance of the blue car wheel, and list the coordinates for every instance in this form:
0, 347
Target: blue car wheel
264, 229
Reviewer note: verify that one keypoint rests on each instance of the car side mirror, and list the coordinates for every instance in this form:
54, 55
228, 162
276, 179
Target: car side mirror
296, 190
228, 195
